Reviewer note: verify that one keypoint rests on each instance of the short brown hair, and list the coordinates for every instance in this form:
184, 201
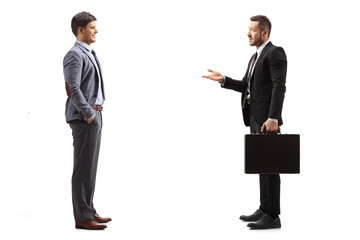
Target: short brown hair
81, 20
264, 22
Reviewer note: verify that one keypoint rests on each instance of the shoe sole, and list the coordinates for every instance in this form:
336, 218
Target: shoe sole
249, 220
103, 221
81, 227
264, 228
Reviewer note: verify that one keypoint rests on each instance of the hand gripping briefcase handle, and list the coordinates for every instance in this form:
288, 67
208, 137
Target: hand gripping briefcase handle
272, 153
271, 133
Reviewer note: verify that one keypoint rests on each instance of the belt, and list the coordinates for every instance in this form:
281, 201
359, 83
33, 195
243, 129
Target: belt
98, 107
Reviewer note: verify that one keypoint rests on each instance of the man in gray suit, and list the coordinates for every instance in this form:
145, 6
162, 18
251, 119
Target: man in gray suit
85, 90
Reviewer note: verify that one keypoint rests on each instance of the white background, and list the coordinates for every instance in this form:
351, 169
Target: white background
171, 162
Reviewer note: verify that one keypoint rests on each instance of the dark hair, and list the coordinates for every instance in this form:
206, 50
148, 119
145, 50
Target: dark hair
81, 20
264, 22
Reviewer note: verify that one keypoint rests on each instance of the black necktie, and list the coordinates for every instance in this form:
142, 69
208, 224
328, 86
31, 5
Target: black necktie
99, 66
249, 75
252, 67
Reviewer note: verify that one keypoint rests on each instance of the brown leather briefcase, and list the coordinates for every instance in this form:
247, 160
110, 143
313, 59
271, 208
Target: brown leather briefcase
272, 153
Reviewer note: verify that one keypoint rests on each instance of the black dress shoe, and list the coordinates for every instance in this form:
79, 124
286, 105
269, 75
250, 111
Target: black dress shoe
266, 222
257, 215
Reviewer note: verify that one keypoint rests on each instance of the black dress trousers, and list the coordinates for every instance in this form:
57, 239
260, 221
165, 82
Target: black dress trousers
269, 184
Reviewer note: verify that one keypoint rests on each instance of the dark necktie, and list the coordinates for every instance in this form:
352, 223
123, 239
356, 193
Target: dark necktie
251, 69
249, 75
99, 66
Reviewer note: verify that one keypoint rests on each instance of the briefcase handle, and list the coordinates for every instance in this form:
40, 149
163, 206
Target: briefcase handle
271, 133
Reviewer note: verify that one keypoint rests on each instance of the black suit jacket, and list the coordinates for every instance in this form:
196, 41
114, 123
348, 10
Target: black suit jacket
267, 88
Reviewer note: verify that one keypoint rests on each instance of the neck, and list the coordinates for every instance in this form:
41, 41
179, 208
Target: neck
262, 42
82, 40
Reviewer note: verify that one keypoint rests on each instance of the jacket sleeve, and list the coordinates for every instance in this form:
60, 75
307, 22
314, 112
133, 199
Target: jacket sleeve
236, 85
72, 73
278, 67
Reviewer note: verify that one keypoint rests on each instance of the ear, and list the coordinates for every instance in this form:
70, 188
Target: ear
80, 30
265, 33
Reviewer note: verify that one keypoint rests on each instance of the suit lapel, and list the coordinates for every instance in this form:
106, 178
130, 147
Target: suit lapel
263, 52
96, 65
92, 59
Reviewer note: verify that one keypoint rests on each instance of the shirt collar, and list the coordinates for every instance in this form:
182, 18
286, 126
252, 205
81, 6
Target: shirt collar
87, 47
259, 50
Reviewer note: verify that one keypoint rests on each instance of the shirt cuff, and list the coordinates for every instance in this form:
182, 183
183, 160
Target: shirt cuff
223, 81
273, 119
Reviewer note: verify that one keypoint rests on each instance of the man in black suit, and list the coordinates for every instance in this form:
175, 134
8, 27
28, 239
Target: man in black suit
263, 89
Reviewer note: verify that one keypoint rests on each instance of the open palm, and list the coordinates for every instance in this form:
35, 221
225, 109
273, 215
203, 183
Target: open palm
216, 76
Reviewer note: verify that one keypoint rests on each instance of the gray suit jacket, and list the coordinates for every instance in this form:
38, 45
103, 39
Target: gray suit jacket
83, 83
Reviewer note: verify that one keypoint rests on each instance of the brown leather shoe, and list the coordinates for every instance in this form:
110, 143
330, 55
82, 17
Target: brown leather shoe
89, 224
100, 219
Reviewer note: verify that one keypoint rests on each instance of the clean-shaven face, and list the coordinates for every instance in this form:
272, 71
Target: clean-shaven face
254, 34
89, 34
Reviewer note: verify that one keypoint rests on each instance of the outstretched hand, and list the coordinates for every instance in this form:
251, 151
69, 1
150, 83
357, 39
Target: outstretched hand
215, 76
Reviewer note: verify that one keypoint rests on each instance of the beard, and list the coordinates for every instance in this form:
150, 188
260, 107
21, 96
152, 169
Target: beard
255, 42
